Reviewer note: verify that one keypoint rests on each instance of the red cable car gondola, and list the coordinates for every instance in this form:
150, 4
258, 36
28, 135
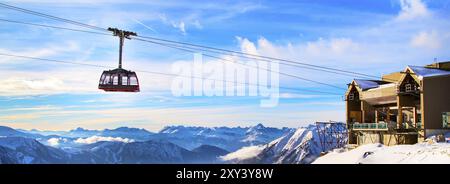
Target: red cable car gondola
119, 80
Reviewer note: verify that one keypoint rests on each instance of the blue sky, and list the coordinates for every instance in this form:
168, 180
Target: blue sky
373, 37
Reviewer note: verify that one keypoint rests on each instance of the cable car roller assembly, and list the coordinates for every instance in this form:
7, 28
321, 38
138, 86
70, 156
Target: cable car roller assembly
119, 79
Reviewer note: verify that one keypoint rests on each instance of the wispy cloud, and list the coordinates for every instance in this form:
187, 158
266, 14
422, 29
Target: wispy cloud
412, 9
56, 141
430, 40
352, 38
146, 26
94, 139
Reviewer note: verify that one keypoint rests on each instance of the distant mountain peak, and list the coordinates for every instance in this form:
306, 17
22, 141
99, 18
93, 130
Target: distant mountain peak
301, 145
6, 128
259, 126
128, 129
79, 129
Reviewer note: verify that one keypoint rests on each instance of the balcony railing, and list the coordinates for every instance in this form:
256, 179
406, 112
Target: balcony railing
370, 126
410, 125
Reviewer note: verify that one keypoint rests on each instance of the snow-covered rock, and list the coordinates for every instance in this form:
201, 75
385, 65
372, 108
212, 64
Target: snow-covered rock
29, 151
297, 147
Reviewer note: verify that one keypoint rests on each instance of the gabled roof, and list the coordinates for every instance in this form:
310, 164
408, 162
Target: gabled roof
364, 84
421, 71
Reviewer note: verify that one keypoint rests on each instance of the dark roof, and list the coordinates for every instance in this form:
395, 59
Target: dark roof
428, 72
369, 84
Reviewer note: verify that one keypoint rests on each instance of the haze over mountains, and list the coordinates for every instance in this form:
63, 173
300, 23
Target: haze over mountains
300, 146
173, 144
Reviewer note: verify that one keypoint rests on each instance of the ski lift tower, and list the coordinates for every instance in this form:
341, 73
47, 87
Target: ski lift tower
332, 135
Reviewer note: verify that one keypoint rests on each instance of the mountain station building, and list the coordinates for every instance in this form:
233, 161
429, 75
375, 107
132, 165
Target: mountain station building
401, 108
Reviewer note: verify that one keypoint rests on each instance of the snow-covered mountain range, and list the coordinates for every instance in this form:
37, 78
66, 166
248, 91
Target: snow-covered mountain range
124, 132
299, 146
174, 144
26, 150
170, 145
230, 139
19, 150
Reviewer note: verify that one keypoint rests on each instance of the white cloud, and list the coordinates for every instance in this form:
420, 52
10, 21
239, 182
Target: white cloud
428, 40
38, 52
17, 86
94, 139
180, 26
372, 49
412, 9
247, 46
389, 43
243, 153
18, 77
335, 46
56, 141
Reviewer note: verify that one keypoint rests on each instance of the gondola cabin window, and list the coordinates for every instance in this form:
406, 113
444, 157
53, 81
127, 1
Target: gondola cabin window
133, 80
115, 80
124, 80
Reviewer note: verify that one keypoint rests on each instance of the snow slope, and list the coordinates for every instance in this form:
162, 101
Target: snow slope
299, 146
421, 153
29, 151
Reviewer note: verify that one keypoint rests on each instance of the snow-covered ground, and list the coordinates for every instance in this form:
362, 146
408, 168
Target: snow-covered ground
421, 153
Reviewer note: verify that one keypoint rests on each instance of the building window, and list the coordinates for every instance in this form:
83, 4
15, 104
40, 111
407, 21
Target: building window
446, 119
351, 96
408, 87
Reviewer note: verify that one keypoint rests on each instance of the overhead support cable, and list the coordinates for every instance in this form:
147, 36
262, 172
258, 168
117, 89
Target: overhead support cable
183, 48
165, 74
55, 27
51, 17
241, 54
232, 61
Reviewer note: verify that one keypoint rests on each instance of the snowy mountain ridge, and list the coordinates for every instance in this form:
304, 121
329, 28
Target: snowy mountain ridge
19, 150
175, 144
299, 146
227, 138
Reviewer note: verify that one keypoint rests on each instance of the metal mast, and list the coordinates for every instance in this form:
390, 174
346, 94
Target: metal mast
121, 34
